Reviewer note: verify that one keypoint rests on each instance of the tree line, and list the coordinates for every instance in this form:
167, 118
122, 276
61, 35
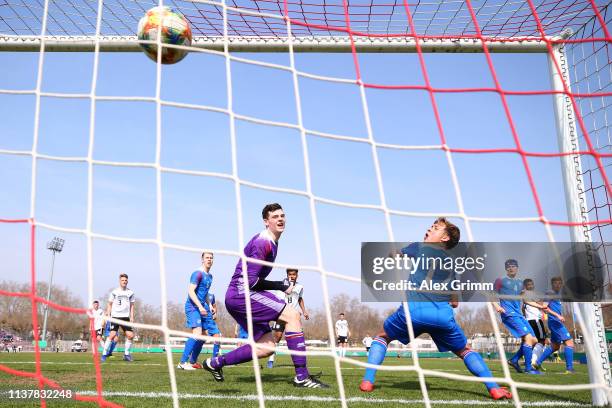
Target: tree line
16, 316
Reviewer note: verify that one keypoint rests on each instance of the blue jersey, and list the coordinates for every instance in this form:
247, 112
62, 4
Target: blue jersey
242, 334
556, 306
432, 272
203, 281
510, 287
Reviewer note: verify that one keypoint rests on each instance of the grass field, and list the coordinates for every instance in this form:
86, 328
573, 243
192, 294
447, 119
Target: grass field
145, 382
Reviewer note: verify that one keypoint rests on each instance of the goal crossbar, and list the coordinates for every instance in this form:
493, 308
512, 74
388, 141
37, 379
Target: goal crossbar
275, 44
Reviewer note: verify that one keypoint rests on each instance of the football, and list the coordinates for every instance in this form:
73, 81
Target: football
173, 28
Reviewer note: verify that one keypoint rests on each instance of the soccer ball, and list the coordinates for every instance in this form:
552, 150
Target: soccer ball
175, 30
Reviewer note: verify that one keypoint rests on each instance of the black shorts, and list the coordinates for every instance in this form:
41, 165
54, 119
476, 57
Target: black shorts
278, 326
116, 326
99, 332
342, 339
538, 329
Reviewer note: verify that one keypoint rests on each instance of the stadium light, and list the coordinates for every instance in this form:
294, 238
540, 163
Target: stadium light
55, 245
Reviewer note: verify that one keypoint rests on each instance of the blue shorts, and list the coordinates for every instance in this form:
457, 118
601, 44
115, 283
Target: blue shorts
558, 332
439, 323
517, 325
195, 319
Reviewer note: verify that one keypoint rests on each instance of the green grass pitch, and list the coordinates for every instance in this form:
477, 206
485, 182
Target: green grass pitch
145, 383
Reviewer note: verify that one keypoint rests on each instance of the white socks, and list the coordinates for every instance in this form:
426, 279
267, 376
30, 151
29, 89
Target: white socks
128, 345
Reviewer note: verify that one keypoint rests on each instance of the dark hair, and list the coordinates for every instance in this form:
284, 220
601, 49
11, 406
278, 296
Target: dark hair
123, 275
292, 270
453, 232
510, 262
526, 281
95, 301
270, 208
556, 278
207, 252
341, 314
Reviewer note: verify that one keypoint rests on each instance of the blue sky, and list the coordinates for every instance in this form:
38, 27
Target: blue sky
200, 211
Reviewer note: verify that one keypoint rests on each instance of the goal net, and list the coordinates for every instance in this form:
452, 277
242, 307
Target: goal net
344, 110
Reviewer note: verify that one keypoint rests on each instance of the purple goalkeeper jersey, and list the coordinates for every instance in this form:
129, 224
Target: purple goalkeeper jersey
261, 246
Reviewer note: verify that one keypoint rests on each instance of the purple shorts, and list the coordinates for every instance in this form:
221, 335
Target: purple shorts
265, 307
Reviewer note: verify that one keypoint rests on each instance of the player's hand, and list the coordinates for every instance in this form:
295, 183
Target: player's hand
214, 315
306, 316
562, 319
454, 304
290, 288
203, 311
500, 309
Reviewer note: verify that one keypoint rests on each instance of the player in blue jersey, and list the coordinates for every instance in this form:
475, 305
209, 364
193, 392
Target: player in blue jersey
198, 312
558, 332
430, 313
512, 317
212, 326
240, 333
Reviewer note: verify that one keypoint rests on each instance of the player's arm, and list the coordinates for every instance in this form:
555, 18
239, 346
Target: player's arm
497, 287
260, 251
236, 330
109, 306
557, 315
213, 304
194, 298
537, 305
132, 301
304, 311
498, 308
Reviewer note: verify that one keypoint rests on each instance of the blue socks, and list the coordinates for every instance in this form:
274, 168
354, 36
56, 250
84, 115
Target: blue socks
474, 362
376, 357
547, 352
569, 358
216, 348
112, 347
528, 354
189, 345
195, 352
516, 357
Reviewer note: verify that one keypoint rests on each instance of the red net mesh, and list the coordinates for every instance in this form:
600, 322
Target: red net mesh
588, 50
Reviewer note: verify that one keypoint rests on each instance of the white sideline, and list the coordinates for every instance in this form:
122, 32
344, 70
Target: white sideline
254, 397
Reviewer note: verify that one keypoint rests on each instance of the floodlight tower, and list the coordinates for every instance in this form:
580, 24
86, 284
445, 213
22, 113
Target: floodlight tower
55, 246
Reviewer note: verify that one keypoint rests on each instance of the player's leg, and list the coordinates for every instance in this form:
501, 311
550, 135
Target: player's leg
520, 328
129, 335
394, 327
569, 356
216, 346
294, 336
213, 330
278, 334
265, 307
448, 336
538, 328
113, 345
477, 366
190, 344
107, 344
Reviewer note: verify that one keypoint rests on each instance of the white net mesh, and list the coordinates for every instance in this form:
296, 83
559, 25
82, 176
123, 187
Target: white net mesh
265, 20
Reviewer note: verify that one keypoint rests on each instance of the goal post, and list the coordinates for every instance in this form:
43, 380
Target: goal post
590, 314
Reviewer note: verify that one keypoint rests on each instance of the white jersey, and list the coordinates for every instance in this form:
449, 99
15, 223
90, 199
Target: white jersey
292, 299
342, 328
530, 312
121, 299
367, 341
98, 316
